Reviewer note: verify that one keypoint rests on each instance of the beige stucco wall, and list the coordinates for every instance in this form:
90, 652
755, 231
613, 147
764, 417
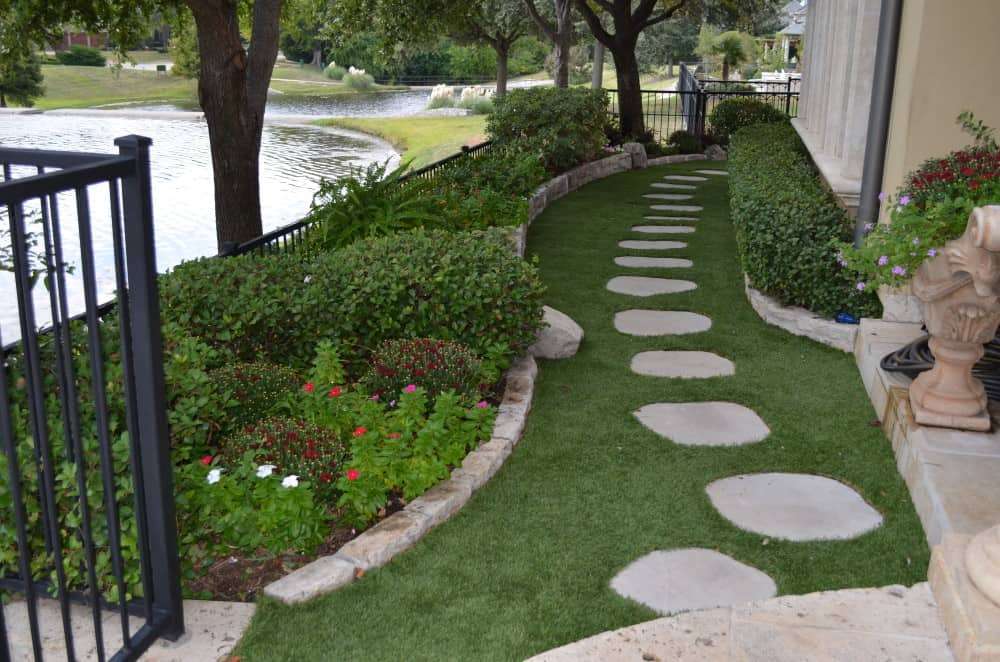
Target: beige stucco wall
948, 61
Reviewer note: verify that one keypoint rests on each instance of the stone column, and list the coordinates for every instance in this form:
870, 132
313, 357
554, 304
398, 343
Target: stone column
859, 90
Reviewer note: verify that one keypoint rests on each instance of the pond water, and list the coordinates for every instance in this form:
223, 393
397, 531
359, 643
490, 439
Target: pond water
293, 160
374, 104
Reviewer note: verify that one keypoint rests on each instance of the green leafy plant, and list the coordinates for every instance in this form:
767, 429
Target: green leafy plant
81, 56
686, 143
735, 113
253, 390
358, 80
788, 226
434, 365
334, 71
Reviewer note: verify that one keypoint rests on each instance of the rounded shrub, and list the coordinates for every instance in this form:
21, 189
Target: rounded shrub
334, 71
686, 143
733, 114
357, 79
253, 390
81, 56
435, 365
311, 452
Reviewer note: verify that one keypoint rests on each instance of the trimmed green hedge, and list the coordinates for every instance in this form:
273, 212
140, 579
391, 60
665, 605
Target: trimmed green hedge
735, 113
787, 224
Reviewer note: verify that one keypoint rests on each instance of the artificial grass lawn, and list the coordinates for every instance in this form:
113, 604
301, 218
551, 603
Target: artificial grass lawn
422, 140
525, 566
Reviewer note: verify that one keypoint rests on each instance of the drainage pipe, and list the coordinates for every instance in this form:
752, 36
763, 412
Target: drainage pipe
878, 119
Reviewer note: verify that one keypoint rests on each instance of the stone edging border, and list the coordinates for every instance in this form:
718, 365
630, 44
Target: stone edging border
802, 322
400, 531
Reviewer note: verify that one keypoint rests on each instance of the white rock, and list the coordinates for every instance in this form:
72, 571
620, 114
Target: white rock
559, 338
715, 153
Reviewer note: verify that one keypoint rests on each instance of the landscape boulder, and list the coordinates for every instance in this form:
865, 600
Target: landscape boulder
559, 338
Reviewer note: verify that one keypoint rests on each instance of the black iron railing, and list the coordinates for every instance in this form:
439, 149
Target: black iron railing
46, 407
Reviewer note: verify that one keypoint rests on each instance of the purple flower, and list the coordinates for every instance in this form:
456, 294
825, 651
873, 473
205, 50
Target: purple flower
840, 259
903, 201
931, 253
860, 286
869, 227
884, 260
898, 270
482, 404
881, 196
410, 388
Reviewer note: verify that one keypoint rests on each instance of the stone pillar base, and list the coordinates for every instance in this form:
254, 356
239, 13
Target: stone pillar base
977, 423
971, 619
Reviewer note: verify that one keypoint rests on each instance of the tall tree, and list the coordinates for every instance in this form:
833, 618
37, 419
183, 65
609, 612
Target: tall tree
20, 79
626, 24
498, 23
559, 30
667, 43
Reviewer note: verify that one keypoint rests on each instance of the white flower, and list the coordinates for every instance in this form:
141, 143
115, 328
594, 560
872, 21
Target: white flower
214, 476
265, 470
307, 279
442, 91
290, 481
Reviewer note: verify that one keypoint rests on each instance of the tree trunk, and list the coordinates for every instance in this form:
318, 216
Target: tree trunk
232, 90
503, 56
317, 60
563, 41
629, 90
670, 67
3, 101
725, 69
597, 75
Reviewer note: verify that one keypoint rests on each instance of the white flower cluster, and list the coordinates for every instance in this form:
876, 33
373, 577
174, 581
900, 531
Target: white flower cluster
473, 92
263, 471
354, 71
442, 92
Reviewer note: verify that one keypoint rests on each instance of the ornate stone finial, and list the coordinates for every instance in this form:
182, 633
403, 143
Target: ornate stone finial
961, 299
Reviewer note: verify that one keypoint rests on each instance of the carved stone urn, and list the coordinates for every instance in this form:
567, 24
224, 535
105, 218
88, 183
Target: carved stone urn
960, 291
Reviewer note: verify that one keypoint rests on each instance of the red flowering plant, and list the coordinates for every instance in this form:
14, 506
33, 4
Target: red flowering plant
931, 208
435, 365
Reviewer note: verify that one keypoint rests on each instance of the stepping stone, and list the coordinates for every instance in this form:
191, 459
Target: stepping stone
682, 365
676, 208
686, 219
704, 423
653, 262
663, 229
713, 172
675, 187
685, 579
643, 286
793, 506
641, 245
660, 322
686, 178
668, 196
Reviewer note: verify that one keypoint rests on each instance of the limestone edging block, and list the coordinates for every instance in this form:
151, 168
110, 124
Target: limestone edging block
400, 531
802, 322
970, 618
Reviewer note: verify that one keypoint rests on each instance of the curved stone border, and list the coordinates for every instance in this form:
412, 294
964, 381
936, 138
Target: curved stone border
398, 532
802, 322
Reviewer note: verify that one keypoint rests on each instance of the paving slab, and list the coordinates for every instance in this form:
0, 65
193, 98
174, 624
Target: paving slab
685, 178
690, 219
644, 245
643, 286
653, 262
674, 187
889, 624
684, 579
713, 172
704, 423
663, 229
796, 507
682, 365
688, 208
660, 322
668, 196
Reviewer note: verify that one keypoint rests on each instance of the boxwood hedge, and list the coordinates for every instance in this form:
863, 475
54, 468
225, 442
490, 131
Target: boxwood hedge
787, 224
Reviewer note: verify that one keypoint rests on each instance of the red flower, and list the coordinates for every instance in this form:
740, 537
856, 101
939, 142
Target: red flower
968, 172
352, 474
359, 431
207, 460
325, 477
309, 387
334, 392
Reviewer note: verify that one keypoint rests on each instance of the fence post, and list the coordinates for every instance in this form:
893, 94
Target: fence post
156, 479
788, 96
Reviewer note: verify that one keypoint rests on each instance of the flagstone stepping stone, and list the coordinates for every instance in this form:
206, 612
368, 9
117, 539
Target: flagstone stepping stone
793, 506
704, 423
663, 229
643, 245
653, 262
682, 365
686, 219
693, 578
713, 172
643, 286
668, 196
675, 187
686, 178
637, 322
676, 208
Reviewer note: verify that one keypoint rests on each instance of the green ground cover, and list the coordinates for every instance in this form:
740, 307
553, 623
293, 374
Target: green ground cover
422, 140
525, 566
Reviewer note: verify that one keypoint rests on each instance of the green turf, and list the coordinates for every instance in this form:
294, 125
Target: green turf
525, 566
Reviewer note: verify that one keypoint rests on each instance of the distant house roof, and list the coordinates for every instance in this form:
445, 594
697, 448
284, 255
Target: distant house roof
793, 29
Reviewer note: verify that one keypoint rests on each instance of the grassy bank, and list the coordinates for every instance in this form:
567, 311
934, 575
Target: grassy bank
422, 140
525, 566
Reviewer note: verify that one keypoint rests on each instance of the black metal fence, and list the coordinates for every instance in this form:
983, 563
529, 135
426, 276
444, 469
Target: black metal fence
87, 498
688, 107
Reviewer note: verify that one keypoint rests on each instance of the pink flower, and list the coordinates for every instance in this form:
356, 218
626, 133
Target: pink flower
410, 388
352, 474
359, 431
309, 387
375, 398
334, 392
903, 201
482, 404
206, 460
